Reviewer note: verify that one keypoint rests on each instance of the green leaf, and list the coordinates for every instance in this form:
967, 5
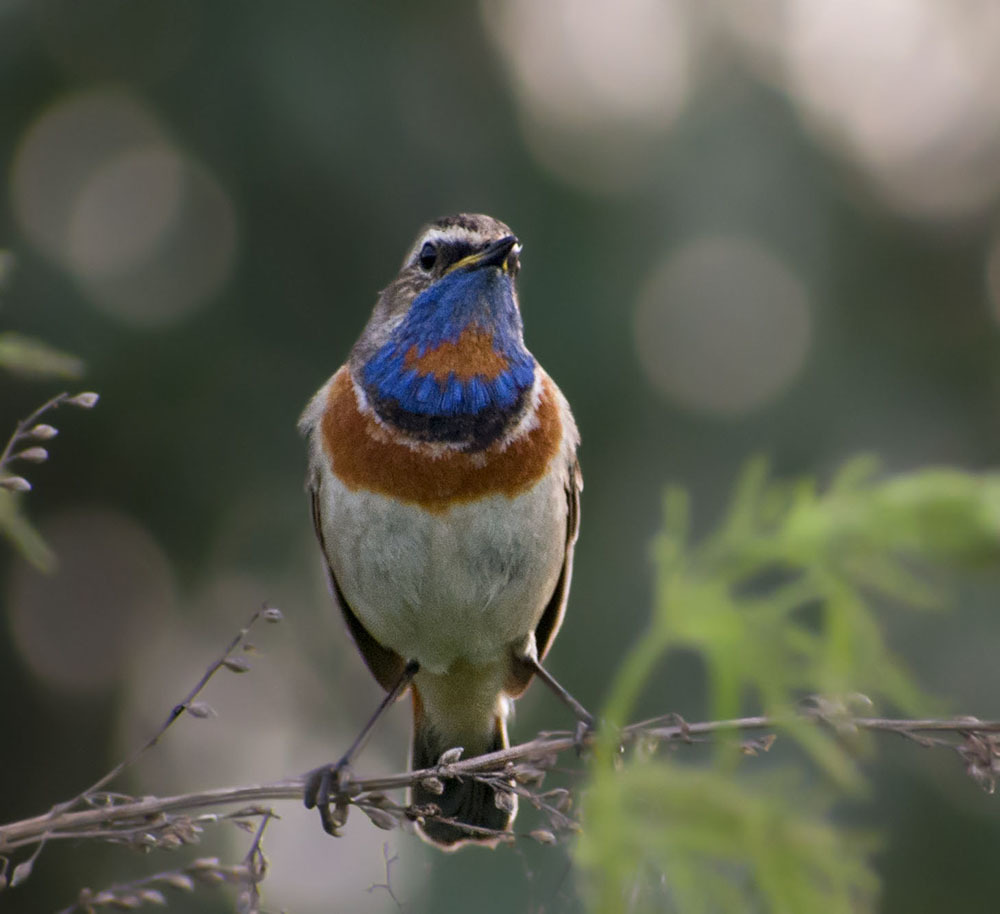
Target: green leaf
661, 836
28, 357
782, 604
16, 528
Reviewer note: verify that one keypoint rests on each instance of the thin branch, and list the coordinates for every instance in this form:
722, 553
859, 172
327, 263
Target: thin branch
116, 818
387, 885
225, 659
28, 432
163, 830
127, 896
172, 822
25, 424
255, 864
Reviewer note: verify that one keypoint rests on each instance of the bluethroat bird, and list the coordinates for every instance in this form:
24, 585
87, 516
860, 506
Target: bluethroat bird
445, 496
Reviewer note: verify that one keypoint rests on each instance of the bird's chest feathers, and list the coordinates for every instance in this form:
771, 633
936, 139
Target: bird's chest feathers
456, 368
463, 585
365, 455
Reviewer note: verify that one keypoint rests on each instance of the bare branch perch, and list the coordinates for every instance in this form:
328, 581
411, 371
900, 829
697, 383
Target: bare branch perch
161, 830
152, 820
170, 822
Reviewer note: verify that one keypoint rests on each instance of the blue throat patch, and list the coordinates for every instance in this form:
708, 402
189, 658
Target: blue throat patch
477, 300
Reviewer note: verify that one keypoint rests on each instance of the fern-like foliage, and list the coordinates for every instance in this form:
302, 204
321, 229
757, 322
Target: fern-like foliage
781, 603
27, 358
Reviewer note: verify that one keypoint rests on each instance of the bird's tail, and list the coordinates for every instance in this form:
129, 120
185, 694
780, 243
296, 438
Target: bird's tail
464, 801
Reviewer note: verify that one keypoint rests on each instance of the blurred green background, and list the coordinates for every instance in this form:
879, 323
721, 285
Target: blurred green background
766, 226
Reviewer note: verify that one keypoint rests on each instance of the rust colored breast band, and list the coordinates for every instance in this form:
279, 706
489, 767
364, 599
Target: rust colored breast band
363, 455
471, 354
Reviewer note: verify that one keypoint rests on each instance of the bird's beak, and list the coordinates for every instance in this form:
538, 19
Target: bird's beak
502, 253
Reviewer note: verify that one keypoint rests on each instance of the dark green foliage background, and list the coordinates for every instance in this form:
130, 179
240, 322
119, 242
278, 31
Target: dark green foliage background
338, 129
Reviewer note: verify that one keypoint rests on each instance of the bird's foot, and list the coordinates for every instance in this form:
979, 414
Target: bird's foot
584, 732
327, 789
683, 730
585, 723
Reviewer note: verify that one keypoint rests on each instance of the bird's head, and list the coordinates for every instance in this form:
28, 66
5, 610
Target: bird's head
442, 356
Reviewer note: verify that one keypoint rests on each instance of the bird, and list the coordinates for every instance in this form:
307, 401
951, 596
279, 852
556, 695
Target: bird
445, 492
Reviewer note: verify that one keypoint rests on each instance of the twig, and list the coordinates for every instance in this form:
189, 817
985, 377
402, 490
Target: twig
255, 864
25, 424
149, 890
223, 660
123, 818
28, 431
171, 822
160, 830
387, 885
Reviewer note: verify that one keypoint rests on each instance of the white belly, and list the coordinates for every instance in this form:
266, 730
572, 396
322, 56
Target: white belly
464, 584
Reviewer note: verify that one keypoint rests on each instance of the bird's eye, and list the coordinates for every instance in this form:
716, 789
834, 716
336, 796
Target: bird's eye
428, 256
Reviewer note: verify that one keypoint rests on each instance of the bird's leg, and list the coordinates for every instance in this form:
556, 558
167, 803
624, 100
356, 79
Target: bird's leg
328, 780
584, 719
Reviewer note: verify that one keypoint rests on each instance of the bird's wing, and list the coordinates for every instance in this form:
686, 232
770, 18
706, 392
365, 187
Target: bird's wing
555, 609
385, 664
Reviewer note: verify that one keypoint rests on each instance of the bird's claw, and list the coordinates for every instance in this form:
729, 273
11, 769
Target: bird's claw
585, 728
684, 731
324, 785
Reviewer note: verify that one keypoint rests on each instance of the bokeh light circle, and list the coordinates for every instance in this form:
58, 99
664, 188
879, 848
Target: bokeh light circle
78, 627
722, 326
597, 82
145, 229
123, 211
190, 256
60, 151
905, 89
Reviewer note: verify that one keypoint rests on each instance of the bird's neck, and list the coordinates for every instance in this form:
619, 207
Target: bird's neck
467, 384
